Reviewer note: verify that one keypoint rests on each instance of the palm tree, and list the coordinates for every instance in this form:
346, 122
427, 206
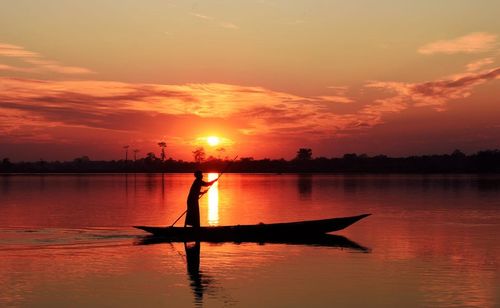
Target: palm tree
199, 154
126, 152
162, 145
135, 153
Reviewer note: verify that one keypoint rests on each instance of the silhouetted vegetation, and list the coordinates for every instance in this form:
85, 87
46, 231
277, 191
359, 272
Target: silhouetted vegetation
162, 145
487, 161
304, 154
199, 154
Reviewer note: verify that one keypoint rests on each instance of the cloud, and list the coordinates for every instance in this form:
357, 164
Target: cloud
37, 62
220, 23
205, 17
336, 99
471, 43
228, 25
51, 108
432, 93
121, 106
9, 50
56, 67
337, 88
10, 68
477, 65
295, 22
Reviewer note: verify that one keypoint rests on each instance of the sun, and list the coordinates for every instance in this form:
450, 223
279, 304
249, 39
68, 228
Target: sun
213, 140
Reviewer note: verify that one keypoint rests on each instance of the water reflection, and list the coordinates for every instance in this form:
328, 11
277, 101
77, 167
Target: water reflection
320, 240
304, 185
213, 201
163, 186
434, 239
199, 281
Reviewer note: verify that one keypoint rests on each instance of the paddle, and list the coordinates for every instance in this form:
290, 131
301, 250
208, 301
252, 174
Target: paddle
202, 194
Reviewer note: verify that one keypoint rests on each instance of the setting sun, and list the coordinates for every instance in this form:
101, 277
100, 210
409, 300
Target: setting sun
213, 140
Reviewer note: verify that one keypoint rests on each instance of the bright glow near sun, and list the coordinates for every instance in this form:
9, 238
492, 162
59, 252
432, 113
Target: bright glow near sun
213, 140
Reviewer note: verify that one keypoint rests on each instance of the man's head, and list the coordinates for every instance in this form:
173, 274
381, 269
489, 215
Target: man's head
198, 174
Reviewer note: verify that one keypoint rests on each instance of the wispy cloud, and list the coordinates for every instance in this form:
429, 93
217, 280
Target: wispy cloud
201, 16
10, 68
9, 50
36, 62
471, 43
45, 110
432, 93
478, 64
220, 23
28, 106
228, 25
296, 22
336, 99
113, 105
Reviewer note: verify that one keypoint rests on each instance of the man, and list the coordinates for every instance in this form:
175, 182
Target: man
193, 207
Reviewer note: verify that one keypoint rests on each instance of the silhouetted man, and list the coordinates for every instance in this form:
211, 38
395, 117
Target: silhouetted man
193, 207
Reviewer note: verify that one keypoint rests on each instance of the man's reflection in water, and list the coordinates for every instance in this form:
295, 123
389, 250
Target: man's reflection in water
198, 283
201, 284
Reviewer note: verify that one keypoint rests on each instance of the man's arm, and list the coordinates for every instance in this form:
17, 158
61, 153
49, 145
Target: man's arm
208, 183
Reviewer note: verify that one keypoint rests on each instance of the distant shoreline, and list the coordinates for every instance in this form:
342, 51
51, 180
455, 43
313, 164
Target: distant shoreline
482, 162
361, 174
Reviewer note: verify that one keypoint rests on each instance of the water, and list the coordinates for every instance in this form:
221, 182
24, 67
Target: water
432, 241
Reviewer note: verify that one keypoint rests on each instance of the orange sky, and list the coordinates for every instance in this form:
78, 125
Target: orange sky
267, 77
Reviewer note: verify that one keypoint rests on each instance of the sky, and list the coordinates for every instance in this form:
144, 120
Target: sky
266, 77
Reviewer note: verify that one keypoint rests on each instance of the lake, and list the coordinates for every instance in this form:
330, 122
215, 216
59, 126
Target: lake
432, 241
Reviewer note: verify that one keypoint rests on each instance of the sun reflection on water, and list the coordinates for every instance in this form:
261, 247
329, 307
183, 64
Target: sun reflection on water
213, 201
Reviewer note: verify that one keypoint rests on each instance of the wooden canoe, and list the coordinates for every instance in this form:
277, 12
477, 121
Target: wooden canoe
254, 233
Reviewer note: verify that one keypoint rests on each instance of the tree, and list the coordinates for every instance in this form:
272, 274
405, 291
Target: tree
81, 160
199, 154
162, 145
150, 157
304, 154
457, 154
126, 152
350, 156
135, 153
6, 164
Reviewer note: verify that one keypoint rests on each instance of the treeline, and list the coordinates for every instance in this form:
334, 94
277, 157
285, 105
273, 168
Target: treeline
487, 161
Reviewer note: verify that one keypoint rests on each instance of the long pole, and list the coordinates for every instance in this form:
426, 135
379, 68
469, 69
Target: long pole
201, 195
223, 171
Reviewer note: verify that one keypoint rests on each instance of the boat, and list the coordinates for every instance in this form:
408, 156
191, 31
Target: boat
253, 233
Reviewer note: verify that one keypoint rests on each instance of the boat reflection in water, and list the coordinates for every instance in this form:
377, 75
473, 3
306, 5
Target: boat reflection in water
200, 282
322, 240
